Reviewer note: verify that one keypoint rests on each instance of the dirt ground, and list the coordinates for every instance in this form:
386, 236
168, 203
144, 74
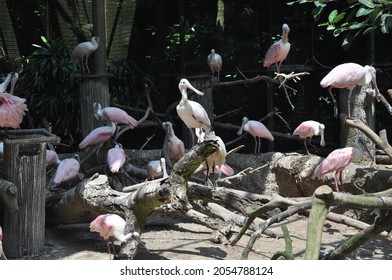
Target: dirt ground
178, 239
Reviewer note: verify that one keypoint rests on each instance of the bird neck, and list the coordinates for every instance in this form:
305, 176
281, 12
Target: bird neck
4, 85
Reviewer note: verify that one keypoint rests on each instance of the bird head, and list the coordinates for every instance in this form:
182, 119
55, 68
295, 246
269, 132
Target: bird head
244, 121
361, 143
370, 76
285, 32
185, 84
96, 39
97, 109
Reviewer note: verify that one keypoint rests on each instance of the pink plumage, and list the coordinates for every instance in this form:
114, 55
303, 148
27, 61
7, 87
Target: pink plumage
98, 135
279, 50
83, 50
115, 158
1, 234
51, 158
173, 146
114, 114
308, 129
338, 159
257, 130
349, 75
66, 170
2, 255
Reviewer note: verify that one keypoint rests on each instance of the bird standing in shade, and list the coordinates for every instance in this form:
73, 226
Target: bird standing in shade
112, 226
172, 145
66, 170
114, 114
307, 130
156, 168
214, 60
279, 50
349, 75
116, 158
83, 50
338, 159
191, 112
257, 130
2, 255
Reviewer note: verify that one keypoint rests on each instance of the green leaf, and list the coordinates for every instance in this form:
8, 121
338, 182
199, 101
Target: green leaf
331, 27
356, 25
339, 17
332, 16
337, 32
367, 3
363, 12
317, 13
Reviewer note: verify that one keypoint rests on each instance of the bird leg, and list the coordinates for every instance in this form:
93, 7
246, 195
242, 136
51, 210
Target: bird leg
335, 104
88, 69
306, 146
337, 177
110, 244
310, 143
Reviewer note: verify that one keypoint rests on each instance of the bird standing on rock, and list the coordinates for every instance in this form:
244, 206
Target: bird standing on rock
307, 130
83, 50
338, 159
112, 226
349, 75
279, 50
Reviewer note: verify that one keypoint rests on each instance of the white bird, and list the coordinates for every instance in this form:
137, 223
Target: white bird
214, 60
111, 226
156, 168
83, 50
191, 112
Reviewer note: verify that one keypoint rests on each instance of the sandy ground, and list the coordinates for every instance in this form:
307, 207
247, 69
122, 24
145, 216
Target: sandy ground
178, 239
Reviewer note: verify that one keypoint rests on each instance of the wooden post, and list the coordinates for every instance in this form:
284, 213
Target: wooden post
24, 161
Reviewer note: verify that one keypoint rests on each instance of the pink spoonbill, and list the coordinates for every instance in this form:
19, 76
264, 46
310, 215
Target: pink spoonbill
191, 112
279, 50
98, 136
338, 159
156, 168
112, 226
115, 158
2, 255
172, 145
307, 130
349, 75
257, 130
83, 50
214, 60
114, 114
67, 169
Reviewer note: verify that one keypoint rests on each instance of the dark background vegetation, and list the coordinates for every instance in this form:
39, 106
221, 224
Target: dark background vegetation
158, 56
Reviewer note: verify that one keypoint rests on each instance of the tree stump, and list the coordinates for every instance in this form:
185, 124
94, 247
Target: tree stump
92, 88
24, 158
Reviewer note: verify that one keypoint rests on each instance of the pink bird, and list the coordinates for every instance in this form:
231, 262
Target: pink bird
257, 130
67, 169
2, 255
279, 50
51, 158
349, 75
114, 114
172, 145
191, 112
116, 158
112, 226
307, 130
214, 60
338, 159
12, 108
156, 168
98, 136
83, 50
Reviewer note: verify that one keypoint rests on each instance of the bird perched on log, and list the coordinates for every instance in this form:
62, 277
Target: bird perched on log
114, 114
279, 50
214, 60
98, 136
115, 158
83, 50
12, 108
112, 227
172, 145
307, 130
338, 159
191, 112
156, 168
2, 255
349, 75
257, 130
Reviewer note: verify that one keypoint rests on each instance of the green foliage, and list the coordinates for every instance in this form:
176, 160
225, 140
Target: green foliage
358, 18
51, 95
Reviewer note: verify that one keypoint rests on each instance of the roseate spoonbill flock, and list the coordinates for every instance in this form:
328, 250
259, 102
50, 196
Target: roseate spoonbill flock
349, 75
112, 227
83, 50
307, 130
338, 159
214, 60
257, 130
2, 255
279, 50
191, 112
